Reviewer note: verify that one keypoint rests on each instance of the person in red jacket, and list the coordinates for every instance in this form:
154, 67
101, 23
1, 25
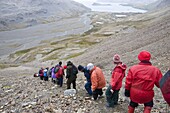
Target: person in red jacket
140, 82
118, 73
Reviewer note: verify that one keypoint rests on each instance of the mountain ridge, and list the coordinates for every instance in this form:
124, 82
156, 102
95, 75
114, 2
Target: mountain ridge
25, 13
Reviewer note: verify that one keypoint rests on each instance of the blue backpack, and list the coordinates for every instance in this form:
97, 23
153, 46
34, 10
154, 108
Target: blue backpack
45, 73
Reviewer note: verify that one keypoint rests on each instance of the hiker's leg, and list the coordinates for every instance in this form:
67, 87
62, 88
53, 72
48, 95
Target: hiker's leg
58, 81
45, 78
61, 82
116, 96
95, 94
100, 92
68, 84
41, 77
109, 96
131, 107
148, 107
88, 88
74, 84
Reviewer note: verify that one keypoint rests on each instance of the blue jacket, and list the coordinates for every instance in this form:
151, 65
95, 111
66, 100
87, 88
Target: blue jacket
87, 74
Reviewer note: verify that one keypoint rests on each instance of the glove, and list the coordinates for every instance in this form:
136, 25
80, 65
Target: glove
111, 90
127, 93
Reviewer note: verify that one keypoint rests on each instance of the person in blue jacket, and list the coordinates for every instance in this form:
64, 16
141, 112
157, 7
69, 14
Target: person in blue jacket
87, 75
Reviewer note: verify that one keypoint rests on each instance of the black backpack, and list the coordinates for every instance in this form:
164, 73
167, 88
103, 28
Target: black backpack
75, 70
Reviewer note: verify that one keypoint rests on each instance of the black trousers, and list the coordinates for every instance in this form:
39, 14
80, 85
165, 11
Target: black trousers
96, 93
134, 104
69, 82
45, 78
42, 77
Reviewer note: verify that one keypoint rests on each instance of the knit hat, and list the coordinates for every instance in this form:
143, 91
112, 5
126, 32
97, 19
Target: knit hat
69, 63
116, 58
80, 68
90, 66
144, 56
65, 66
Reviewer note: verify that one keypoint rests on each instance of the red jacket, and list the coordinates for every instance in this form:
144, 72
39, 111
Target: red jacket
97, 78
140, 81
60, 72
118, 74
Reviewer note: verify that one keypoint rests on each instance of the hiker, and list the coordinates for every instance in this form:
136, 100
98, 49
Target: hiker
165, 86
87, 75
118, 73
140, 83
97, 80
53, 76
60, 74
45, 74
41, 73
71, 75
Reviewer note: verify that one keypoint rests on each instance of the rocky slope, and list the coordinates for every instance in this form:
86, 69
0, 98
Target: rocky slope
21, 92
24, 13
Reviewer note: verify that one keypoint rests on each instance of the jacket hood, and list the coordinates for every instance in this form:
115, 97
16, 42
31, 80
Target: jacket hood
69, 63
122, 66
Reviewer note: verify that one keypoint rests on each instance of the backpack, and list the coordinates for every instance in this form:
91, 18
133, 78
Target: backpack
41, 72
59, 74
56, 69
75, 70
165, 83
45, 73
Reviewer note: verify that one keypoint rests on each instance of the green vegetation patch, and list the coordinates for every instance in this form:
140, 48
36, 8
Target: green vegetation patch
85, 42
73, 55
21, 52
6, 87
60, 42
51, 57
3, 66
94, 29
102, 35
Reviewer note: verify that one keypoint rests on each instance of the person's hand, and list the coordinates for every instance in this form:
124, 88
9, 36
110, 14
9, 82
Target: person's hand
111, 90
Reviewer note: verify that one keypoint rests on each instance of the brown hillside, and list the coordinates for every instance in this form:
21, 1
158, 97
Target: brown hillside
154, 36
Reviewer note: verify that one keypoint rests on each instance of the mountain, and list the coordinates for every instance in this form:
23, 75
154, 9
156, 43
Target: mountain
158, 4
130, 1
24, 13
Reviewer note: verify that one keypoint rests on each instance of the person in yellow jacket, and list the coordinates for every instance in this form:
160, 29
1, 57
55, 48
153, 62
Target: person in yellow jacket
97, 79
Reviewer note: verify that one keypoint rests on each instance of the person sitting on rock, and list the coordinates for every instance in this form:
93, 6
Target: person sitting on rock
165, 86
87, 75
97, 79
71, 75
118, 73
140, 83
